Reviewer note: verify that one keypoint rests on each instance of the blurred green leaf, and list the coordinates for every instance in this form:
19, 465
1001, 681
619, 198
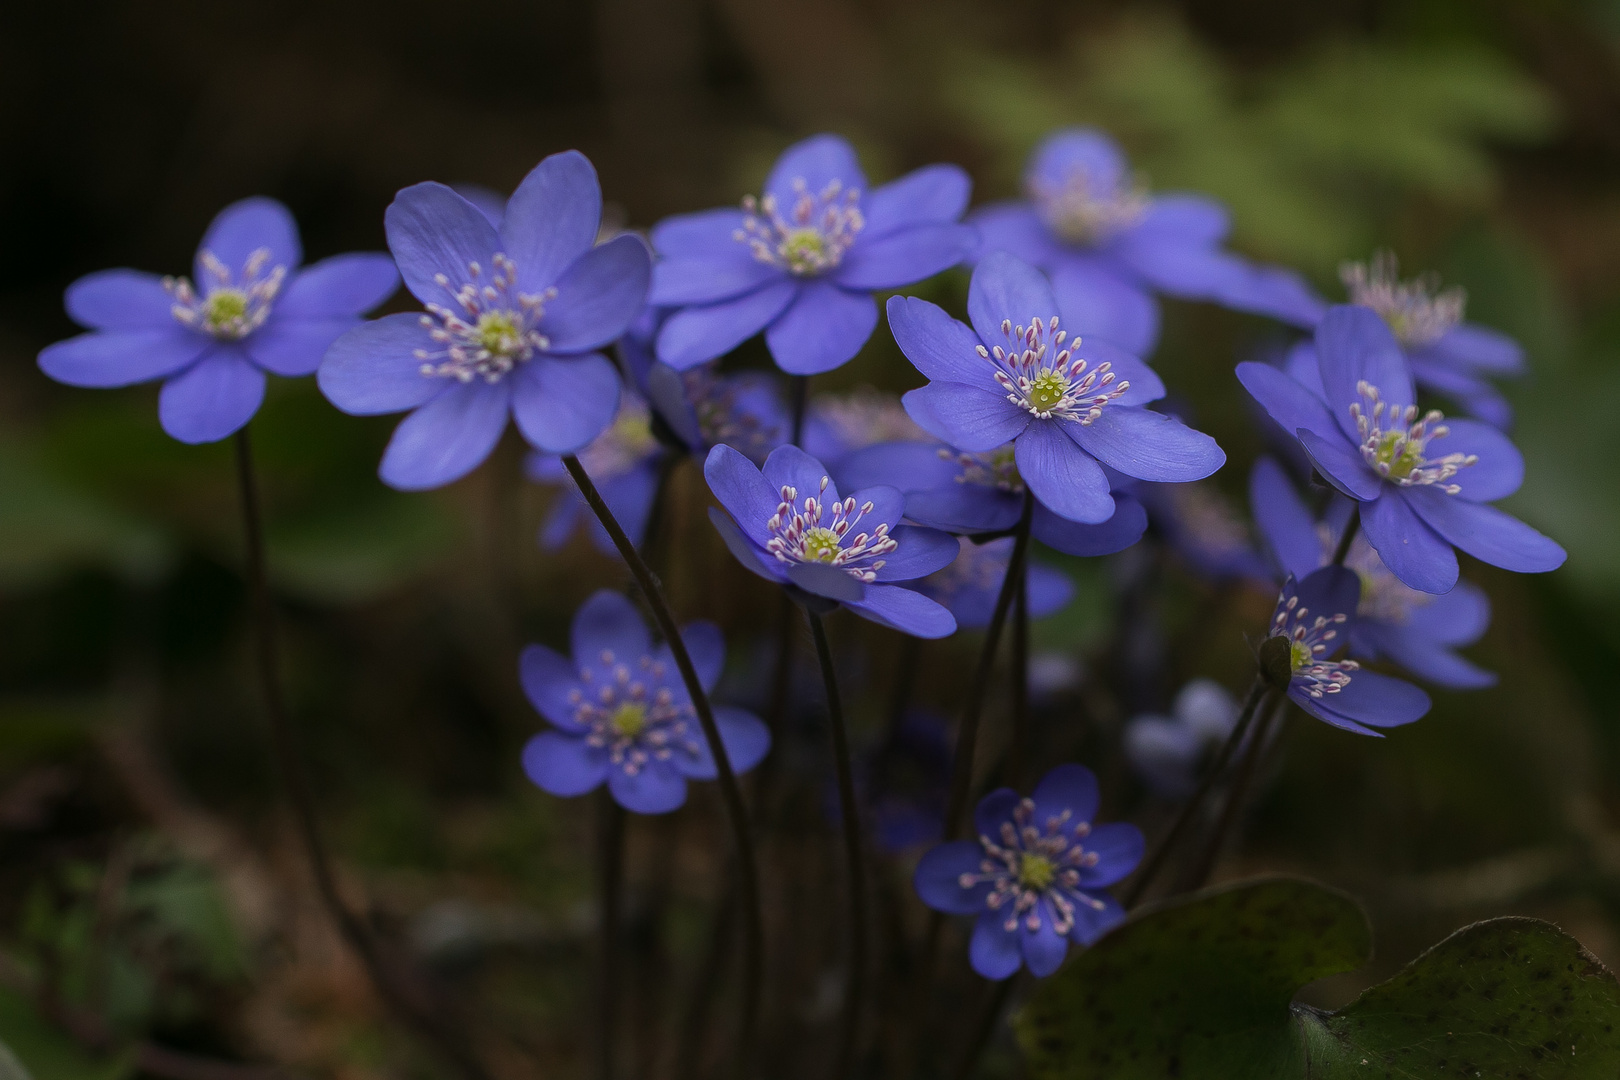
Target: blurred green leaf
354, 553
47, 1053
1203, 989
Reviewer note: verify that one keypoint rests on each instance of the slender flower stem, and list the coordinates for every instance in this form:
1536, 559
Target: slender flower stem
1349, 535
410, 1004
730, 792
610, 817
1155, 862
854, 992
968, 735
1018, 754
1231, 813
984, 1026
801, 403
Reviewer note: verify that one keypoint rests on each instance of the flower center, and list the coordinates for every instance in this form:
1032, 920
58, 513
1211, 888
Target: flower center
1417, 311
798, 535
1309, 642
487, 329
1027, 863
627, 442
1083, 212
630, 714
1060, 387
1398, 453
628, 720
809, 237
227, 308
996, 468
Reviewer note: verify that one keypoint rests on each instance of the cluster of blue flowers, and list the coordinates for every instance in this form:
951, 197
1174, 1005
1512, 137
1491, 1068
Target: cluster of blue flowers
1034, 420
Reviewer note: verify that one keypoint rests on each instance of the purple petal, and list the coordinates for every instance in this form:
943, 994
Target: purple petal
1097, 303
993, 809
1341, 465
904, 610
1500, 468
1145, 385
1377, 700
1071, 788
447, 438
753, 557
929, 195
1459, 617
552, 219
815, 163
344, 285
1175, 265
1272, 291
294, 347
1015, 228
245, 227
1118, 847
685, 279
213, 398
965, 508
828, 582
1287, 401
548, 680
1147, 445
1354, 345
907, 255
906, 466
121, 300
788, 466
1328, 590
696, 334
108, 358
490, 203
1485, 532
888, 505
432, 231
374, 369
921, 551
1075, 538
656, 788
994, 950
1044, 948
1478, 348
970, 418
707, 648
1047, 591
1073, 152
708, 234
1411, 550
608, 625
937, 345
1285, 523
563, 765
746, 738
1007, 289
1091, 923
1189, 219
1441, 666
822, 329
1315, 707
938, 878
742, 490
1477, 397
561, 403
1064, 477
597, 296
629, 497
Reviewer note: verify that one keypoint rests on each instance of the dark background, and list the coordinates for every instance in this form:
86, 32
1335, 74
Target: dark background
146, 873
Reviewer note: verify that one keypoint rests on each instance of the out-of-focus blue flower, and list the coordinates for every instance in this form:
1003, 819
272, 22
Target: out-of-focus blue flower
1202, 528
623, 464
1035, 875
801, 263
249, 310
788, 524
1417, 630
1312, 621
1067, 408
973, 494
620, 712
1166, 751
1450, 357
969, 586
1423, 483
1109, 245
837, 425
514, 319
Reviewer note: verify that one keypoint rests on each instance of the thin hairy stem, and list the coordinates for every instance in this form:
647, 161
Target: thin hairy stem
730, 792
1348, 536
1189, 810
855, 990
409, 1004
1236, 798
1018, 752
801, 404
610, 817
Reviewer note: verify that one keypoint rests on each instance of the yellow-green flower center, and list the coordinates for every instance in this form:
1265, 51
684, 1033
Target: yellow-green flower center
499, 332
628, 720
804, 249
1035, 871
224, 307
1403, 462
1046, 390
820, 545
1299, 654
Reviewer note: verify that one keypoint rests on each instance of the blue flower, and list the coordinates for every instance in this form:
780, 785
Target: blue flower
1166, 751
1423, 484
1200, 525
619, 711
1108, 245
1310, 625
1035, 875
250, 310
969, 586
788, 524
513, 321
801, 263
837, 425
623, 464
1067, 409
1417, 630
